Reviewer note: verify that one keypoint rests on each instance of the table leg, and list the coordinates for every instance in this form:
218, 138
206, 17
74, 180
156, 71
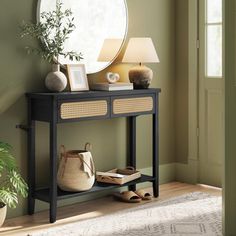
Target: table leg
31, 164
53, 171
132, 146
155, 159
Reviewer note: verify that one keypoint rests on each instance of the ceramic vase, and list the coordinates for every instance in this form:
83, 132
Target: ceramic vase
3, 212
56, 81
141, 77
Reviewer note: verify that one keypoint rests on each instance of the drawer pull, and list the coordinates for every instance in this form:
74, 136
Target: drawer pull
73, 110
132, 105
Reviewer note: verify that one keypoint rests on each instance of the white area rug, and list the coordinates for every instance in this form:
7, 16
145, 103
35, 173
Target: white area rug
192, 214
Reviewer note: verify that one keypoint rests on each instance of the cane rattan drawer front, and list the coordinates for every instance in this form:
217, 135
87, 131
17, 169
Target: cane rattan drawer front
84, 109
132, 105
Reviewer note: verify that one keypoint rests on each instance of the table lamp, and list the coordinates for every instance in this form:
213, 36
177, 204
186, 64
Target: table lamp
140, 50
110, 49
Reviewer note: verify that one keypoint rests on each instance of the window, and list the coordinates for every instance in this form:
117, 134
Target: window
213, 27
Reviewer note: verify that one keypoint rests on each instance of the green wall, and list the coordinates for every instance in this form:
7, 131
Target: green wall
181, 82
21, 73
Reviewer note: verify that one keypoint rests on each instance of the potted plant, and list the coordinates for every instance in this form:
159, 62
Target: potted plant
12, 184
53, 30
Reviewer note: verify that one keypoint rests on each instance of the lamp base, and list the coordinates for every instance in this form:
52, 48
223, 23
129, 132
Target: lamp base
140, 76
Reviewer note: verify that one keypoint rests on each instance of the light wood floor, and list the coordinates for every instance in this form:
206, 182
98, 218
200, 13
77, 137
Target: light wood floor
28, 224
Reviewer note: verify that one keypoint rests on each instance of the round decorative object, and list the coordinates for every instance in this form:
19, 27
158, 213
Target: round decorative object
141, 77
3, 212
56, 81
112, 78
95, 22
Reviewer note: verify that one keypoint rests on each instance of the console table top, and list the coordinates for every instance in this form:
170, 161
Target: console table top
93, 93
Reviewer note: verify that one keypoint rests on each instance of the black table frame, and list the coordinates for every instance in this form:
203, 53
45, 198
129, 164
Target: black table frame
45, 107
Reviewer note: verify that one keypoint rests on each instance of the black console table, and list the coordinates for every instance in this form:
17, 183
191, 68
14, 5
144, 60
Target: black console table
58, 108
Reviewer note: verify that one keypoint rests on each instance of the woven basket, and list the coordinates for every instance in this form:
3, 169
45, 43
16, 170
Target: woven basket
76, 170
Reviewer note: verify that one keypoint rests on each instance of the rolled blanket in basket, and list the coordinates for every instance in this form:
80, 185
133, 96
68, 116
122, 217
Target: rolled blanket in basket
87, 163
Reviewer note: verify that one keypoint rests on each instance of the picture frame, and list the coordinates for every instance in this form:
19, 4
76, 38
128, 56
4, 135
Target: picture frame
77, 77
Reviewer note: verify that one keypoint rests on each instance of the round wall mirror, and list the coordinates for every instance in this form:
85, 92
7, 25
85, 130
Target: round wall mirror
101, 28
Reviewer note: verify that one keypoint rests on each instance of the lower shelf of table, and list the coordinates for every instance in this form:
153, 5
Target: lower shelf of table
43, 194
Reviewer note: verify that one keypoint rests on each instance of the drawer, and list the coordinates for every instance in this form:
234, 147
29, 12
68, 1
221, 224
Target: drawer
69, 110
132, 105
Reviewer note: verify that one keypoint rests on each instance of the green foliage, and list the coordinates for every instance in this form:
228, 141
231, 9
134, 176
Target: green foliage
12, 184
53, 30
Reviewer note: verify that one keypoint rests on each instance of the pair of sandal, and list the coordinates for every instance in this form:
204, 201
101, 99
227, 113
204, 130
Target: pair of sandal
133, 197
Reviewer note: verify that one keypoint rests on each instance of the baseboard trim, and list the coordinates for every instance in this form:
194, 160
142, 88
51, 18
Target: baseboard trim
187, 173
167, 172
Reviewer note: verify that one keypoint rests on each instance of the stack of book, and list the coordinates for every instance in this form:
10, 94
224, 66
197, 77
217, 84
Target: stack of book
112, 87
